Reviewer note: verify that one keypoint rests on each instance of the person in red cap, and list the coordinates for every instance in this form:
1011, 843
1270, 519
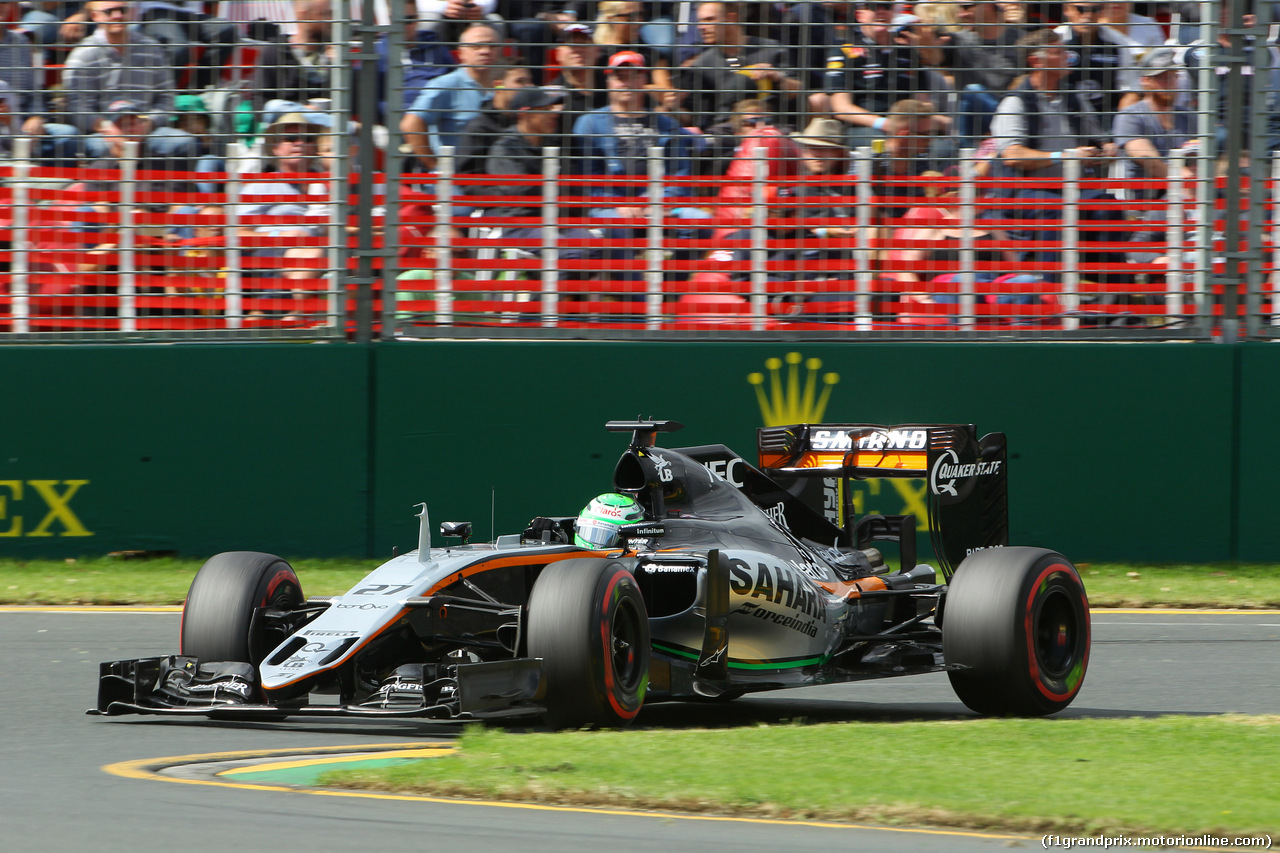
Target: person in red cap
613, 142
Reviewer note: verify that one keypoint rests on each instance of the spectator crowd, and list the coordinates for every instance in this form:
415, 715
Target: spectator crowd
1034, 88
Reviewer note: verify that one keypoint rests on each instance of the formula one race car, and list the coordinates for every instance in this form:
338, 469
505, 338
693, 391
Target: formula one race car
734, 578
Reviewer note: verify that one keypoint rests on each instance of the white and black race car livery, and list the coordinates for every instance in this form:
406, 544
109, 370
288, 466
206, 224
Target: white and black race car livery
742, 577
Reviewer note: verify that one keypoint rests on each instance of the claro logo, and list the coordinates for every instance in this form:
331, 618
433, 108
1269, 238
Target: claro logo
52, 497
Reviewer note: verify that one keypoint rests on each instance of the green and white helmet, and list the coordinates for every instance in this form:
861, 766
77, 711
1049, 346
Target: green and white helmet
598, 524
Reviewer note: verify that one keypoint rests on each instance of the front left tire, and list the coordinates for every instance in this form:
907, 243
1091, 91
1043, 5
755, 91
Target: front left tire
217, 619
587, 621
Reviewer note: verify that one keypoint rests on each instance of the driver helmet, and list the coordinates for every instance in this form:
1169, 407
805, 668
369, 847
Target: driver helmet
599, 522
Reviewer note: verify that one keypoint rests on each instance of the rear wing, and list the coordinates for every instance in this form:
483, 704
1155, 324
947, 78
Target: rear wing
966, 479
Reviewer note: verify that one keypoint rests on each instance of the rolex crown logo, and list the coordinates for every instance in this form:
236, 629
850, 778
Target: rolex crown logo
792, 400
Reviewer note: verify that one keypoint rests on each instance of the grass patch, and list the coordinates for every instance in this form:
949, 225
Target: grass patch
1214, 585
161, 580
164, 580
1170, 775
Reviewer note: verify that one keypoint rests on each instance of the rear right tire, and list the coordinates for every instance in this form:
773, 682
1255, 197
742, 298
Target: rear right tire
1017, 620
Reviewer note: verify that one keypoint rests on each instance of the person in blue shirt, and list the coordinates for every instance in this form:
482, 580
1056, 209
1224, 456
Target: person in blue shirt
448, 102
613, 142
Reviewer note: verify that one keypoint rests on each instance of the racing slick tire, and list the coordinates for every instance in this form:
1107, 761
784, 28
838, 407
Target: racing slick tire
1018, 620
217, 619
588, 623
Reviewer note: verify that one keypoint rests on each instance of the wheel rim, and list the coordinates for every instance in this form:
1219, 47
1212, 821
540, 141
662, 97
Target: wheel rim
1057, 634
624, 647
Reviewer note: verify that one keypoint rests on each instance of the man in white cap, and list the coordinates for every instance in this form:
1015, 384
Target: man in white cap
1153, 127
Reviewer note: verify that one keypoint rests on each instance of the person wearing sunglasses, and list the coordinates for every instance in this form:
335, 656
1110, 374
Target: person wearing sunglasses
290, 146
112, 64
1102, 62
448, 102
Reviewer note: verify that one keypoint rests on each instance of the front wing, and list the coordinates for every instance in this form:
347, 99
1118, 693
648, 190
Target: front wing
465, 691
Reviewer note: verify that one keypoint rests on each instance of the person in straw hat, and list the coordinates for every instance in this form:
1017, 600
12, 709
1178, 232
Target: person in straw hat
824, 156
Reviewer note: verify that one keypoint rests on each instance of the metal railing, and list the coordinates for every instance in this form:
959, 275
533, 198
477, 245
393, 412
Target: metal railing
364, 245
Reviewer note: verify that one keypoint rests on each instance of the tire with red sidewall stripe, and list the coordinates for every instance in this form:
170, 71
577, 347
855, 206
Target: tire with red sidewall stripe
217, 619
588, 623
1018, 621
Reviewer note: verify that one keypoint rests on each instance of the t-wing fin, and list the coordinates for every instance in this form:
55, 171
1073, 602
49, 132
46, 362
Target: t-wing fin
643, 433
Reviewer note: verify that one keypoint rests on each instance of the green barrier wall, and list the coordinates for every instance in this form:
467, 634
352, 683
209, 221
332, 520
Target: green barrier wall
188, 448
1123, 452
1259, 466
1098, 434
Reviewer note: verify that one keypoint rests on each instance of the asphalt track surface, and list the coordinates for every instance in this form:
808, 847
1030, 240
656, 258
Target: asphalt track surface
57, 795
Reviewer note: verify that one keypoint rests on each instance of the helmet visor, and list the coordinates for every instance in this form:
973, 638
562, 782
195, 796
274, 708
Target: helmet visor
596, 532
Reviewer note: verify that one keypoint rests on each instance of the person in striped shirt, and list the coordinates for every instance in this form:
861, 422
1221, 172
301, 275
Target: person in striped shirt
114, 64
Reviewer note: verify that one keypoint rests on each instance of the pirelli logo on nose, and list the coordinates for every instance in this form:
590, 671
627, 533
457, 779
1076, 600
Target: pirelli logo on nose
24, 501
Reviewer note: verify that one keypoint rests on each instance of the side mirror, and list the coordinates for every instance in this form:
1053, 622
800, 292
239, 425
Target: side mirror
456, 529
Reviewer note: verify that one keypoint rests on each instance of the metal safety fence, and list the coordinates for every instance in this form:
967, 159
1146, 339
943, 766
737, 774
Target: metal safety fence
861, 170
